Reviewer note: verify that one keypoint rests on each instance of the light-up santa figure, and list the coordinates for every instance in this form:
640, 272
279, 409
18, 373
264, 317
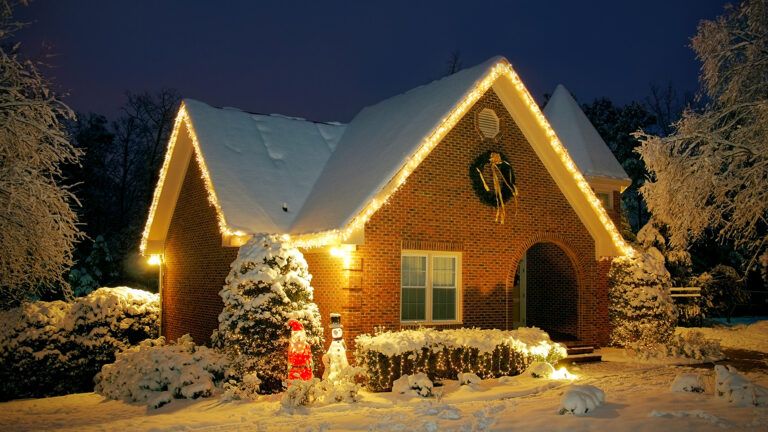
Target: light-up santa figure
335, 360
299, 353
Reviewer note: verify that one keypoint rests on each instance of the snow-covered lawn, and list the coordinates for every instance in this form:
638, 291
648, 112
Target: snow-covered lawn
638, 398
753, 337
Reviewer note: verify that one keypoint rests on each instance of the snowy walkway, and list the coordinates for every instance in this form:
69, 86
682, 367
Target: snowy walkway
637, 399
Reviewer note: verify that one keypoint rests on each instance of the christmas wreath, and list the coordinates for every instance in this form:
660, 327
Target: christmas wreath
502, 182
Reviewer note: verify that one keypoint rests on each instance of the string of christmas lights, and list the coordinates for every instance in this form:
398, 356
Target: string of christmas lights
357, 223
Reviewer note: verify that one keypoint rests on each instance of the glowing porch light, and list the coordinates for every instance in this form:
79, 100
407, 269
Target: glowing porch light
562, 374
343, 251
155, 260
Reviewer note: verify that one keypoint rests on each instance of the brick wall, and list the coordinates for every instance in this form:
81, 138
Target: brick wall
438, 204
195, 264
436, 209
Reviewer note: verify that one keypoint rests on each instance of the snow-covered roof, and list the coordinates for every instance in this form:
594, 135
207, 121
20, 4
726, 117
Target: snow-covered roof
375, 145
259, 162
584, 144
333, 177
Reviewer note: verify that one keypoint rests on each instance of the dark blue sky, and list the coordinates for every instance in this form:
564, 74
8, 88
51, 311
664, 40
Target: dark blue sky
326, 60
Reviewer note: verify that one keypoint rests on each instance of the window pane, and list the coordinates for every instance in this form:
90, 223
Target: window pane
444, 304
444, 288
413, 304
414, 284
444, 272
414, 271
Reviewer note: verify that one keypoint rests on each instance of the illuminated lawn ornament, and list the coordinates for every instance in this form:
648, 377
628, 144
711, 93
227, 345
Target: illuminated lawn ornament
335, 360
562, 374
299, 353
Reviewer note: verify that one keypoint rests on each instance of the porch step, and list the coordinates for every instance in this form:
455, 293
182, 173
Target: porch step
579, 349
580, 353
581, 358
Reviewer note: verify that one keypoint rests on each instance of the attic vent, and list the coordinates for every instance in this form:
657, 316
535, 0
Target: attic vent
488, 123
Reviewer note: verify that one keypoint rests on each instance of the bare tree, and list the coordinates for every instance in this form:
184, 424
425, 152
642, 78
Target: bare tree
38, 227
454, 63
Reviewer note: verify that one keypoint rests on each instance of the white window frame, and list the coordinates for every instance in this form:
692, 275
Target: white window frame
431, 255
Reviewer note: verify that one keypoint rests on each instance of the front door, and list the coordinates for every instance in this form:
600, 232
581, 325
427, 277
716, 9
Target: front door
518, 294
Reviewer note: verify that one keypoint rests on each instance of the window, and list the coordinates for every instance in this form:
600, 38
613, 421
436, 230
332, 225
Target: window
605, 198
430, 287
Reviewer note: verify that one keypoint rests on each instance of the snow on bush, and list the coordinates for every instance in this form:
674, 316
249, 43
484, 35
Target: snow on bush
417, 384
155, 373
688, 382
735, 388
316, 392
268, 284
640, 307
53, 348
444, 354
581, 399
540, 370
693, 345
722, 289
468, 378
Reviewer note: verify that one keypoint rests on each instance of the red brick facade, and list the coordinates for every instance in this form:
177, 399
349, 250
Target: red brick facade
195, 264
436, 209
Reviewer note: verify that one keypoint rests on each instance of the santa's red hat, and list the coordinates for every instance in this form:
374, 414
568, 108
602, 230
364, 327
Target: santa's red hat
295, 325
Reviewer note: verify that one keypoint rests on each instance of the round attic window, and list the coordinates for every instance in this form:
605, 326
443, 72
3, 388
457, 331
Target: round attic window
488, 123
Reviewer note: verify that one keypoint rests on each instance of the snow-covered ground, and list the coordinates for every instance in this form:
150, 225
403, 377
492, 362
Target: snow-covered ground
638, 397
753, 337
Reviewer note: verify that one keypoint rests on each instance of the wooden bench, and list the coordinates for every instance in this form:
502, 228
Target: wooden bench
680, 292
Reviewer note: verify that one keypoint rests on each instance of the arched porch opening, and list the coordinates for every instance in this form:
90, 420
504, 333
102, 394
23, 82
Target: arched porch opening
545, 292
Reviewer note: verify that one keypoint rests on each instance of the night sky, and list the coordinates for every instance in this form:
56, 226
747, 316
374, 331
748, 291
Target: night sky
325, 60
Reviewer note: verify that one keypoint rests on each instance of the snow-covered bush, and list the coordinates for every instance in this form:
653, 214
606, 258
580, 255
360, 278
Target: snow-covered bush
155, 373
688, 382
268, 284
315, 392
444, 354
417, 384
640, 307
693, 345
581, 399
733, 387
722, 289
468, 378
540, 370
53, 348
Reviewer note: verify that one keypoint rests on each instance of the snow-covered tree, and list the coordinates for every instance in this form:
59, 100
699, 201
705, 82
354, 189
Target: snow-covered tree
640, 307
676, 259
709, 175
37, 225
268, 284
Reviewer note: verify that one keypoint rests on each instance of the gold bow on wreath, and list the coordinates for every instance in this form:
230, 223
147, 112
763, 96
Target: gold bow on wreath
498, 183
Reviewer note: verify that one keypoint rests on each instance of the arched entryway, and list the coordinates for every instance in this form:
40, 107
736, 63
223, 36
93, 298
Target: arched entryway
544, 292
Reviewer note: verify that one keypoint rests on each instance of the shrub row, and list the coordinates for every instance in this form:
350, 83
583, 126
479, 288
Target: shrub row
54, 348
444, 354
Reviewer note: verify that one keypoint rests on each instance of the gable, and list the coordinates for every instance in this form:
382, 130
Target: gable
585, 145
438, 201
374, 158
258, 169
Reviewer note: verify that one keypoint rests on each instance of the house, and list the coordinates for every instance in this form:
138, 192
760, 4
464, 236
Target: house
390, 212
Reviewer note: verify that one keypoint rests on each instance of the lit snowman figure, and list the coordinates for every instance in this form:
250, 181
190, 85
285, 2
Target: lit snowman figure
335, 360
